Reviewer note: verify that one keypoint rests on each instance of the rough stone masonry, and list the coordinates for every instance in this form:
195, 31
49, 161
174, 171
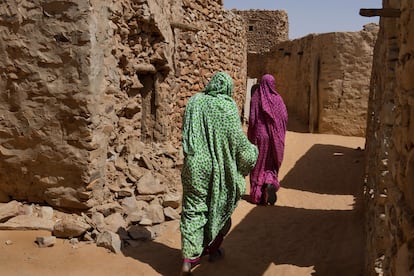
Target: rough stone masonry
92, 92
91, 98
389, 186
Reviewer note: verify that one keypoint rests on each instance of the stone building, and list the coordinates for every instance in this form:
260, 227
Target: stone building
264, 28
92, 94
390, 145
324, 79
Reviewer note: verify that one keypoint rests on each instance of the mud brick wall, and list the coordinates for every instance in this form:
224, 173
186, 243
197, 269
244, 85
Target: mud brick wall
324, 79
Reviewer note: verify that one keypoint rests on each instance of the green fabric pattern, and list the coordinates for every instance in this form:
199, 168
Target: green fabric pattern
218, 156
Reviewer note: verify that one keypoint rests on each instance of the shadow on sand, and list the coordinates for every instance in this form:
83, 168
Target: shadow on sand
328, 169
163, 259
329, 241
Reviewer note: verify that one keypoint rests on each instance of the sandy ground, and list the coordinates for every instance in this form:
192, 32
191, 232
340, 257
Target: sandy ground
316, 227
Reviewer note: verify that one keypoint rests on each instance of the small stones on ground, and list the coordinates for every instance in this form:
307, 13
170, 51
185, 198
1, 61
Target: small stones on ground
45, 241
73, 241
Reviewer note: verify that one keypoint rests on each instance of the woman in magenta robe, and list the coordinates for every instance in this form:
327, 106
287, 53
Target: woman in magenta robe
267, 129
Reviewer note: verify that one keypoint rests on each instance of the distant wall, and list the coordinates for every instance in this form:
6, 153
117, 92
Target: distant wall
324, 79
264, 28
390, 147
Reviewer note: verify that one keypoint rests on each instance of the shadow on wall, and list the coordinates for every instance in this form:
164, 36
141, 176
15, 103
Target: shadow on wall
273, 240
296, 125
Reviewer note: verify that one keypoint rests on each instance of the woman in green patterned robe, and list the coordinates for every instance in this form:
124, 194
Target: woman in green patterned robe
217, 157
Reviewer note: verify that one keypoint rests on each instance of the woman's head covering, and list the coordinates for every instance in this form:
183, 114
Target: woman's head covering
220, 83
269, 100
268, 84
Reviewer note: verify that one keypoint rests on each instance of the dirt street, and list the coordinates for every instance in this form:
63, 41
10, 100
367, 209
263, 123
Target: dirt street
316, 227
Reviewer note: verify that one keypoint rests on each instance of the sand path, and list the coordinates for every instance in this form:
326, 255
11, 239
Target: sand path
316, 227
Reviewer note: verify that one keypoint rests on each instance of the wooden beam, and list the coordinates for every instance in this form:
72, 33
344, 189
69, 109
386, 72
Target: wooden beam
185, 27
386, 12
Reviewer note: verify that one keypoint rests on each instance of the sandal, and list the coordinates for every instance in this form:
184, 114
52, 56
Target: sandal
268, 194
271, 194
188, 265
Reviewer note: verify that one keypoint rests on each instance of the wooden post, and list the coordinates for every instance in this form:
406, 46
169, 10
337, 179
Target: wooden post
386, 12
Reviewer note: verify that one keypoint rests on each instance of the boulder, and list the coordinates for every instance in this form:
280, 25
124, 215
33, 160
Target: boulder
109, 240
9, 210
70, 227
24, 222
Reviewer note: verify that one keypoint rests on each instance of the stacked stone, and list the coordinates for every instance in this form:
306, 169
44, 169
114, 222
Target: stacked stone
265, 29
134, 203
390, 148
208, 40
143, 107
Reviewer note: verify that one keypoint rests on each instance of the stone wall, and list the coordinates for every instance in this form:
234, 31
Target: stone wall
55, 117
209, 40
324, 79
390, 147
264, 28
92, 93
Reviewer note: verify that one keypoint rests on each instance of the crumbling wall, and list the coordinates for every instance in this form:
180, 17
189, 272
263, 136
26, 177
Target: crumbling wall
390, 147
55, 117
264, 28
92, 95
324, 79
